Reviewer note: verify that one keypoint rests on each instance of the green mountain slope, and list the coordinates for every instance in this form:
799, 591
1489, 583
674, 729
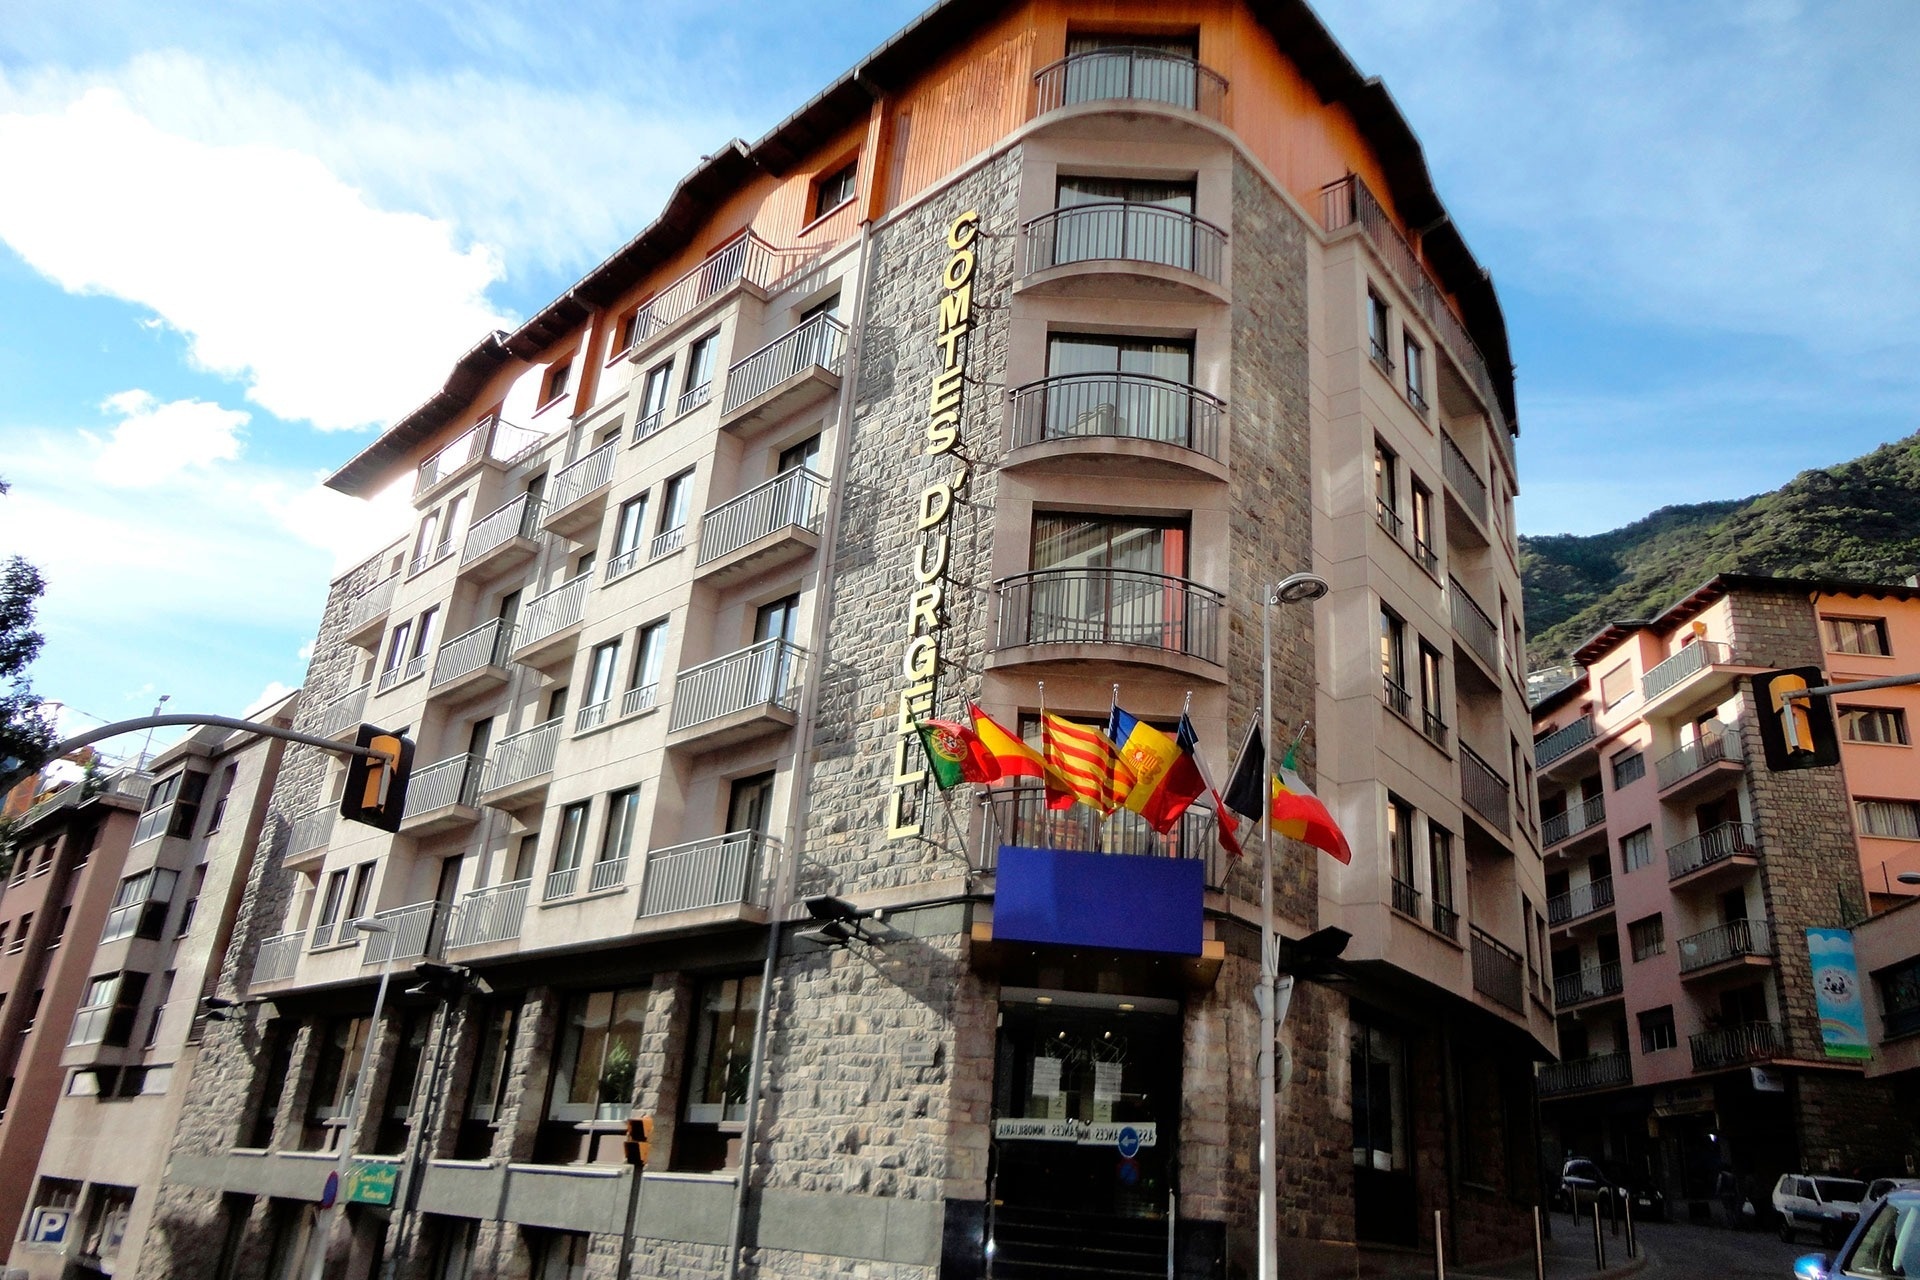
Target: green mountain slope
1859, 520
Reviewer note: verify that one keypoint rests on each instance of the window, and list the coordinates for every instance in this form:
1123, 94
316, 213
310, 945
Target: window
1900, 997
1616, 685
182, 793
723, 1045
1378, 321
1636, 849
623, 817
1657, 1030
1865, 636
140, 905
567, 849
425, 540
341, 1046
1400, 854
795, 456
362, 890
775, 619
1648, 936
1416, 371
599, 1055
492, 1069
60, 927
1133, 219
396, 653
56, 1193
624, 331
1886, 725
423, 638
1393, 661
1102, 387
628, 532
1386, 488
1899, 819
698, 384
450, 525
649, 656
1432, 722
1378, 1063
195, 887
1109, 543
21, 928
1628, 766
554, 384
602, 669
108, 1008
1423, 532
220, 795
674, 502
559, 1255
162, 994
835, 189
330, 908
1440, 878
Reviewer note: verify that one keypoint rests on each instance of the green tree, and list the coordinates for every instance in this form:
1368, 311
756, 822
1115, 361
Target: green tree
26, 735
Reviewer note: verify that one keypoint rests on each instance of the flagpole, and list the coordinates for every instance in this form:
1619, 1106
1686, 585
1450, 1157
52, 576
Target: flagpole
1046, 810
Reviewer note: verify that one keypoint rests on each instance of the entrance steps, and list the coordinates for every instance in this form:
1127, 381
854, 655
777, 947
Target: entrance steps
1040, 1244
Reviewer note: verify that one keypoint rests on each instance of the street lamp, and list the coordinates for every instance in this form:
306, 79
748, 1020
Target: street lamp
1295, 588
1908, 877
323, 1228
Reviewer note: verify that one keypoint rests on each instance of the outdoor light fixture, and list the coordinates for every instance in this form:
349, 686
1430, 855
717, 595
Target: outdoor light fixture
1298, 588
221, 1009
1908, 877
839, 922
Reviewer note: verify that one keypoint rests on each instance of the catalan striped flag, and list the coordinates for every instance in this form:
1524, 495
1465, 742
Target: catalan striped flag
1082, 760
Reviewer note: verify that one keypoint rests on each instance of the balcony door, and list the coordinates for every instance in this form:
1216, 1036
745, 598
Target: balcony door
1132, 219
1108, 579
1104, 386
750, 804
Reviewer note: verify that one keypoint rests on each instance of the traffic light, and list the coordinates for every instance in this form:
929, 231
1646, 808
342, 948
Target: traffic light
376, 791
639, 1142
1814, 743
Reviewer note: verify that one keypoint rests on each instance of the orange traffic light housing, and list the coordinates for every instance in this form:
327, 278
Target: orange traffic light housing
376, 792
639, 1141
1811, 742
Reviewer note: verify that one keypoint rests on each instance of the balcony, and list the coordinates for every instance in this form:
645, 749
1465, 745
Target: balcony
341, 717
1446, 922
367, 612
1475, 630
1167, 426
1497, 971
775, 523
310, 831
1466, 490
1019, 816
503, 539
278, 957
410, 935
1580, 901
401, 672
565, 882
1154, 251
1562, 742
488, 915
1160, 76
1595, 982
578, 492
1737, 1045
1715, 752
1348, 202
1729, 844
746, 694
666, 542
728, 871
794, 372
153, 823
1110, 615
1735, 944
430, 556
1675, 671
491, 441
1583, 817
442, 796
472, 662
748, 260
1484, 790
1602, 1071
549, 623
1406, 898
517, 770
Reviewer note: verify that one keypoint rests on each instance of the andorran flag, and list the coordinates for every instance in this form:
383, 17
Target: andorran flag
1298, 813
1165, 780
955, 754
1083, 761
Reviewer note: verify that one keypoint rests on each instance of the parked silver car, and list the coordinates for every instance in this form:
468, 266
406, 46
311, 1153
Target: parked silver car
1828, 1207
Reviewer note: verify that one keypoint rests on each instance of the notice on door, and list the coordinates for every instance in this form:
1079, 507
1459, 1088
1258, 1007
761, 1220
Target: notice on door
1046, 1077
1106, 1081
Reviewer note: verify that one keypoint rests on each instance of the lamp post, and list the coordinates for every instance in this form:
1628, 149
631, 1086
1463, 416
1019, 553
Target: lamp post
1297, 588
323, 1228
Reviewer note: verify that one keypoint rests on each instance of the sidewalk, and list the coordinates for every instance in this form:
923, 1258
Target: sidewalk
1569, 1256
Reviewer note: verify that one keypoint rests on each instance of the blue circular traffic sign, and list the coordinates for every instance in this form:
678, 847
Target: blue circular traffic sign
1129, 1143
331, 1192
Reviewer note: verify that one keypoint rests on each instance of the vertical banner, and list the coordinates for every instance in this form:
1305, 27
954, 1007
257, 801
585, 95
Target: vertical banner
1836, 991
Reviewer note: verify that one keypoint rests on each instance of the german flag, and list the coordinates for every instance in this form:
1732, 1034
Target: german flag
1083, 760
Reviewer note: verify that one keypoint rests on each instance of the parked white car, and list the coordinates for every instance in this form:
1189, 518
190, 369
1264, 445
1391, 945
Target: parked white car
1829, 1207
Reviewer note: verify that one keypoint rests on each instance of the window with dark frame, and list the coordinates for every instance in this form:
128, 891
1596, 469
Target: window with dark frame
1636, 849
554, 384
1432, 717
1393, 662
1628, 767
1379, 321
1416, 373
1424, 536
597, 1059
1386, 488
1864, 637
1657, 1030
1886, 726
834, 189
1648, 936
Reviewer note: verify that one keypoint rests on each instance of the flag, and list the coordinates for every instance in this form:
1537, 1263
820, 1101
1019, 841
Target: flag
1298, 813
1245, 794
1014, 758
1165, 779
1225, 827
1085, 763
955, 754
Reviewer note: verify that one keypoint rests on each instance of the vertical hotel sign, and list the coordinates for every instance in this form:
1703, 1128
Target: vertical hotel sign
931, 548
1836, 993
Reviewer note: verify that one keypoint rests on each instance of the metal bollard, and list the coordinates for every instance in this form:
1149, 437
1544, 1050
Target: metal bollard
1599, 1241
1439, 1250
1539, 1248
1633, 1245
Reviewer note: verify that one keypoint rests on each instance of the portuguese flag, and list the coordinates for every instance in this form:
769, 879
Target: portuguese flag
955, 754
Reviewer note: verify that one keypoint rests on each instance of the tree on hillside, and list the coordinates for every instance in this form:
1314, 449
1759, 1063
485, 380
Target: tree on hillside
25, 734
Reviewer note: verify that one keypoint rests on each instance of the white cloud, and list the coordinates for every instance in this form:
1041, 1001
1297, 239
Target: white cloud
155, 442
331, 310
266, 698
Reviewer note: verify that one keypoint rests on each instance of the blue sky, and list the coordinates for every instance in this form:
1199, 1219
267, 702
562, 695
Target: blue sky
234, 240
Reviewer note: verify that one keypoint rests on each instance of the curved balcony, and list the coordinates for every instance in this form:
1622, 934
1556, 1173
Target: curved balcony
1144, 249
1126, 615
1163, 77
1019, 816
1129, 414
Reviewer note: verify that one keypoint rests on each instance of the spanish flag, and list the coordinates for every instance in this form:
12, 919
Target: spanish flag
1015, 759
1082, 760
1165, 780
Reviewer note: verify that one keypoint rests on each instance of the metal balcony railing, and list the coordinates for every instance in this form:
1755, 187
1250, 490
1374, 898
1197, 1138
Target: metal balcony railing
430, 557
667, 541
1406, 898
1395, 695
1423, 552
768, 674
592, 715
1594, 982
401, 672
343, 712
1697, 656
519, 518
1123, 231
1716, 743
560, 883
1019, 816
1479, 631
747, 259
488, 915
1110, 606
582, 476
453, 781
487, 645
522, 756
410, 933
311, 830
1581, 815
817, 342
553, 612
1484, 790
1123, 406
1735, 1045
1463, 478
1388, 519
792, 499
1446, 921
719, 871
1716, 844
278, 957
1581, 900
692, 398
324, 932
607, 873
1130, 74
372, 603
1602, 1071
1565, 739
1497, 970
500, 440
152, 823
1434, 727
639, 698
1729, 941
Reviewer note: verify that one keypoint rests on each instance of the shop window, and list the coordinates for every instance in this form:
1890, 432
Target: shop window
488, 1096
716, 1088
341, 1047
596, 1066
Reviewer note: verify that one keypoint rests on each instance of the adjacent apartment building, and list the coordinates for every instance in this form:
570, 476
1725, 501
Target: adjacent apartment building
1008, 370
153, 905
1682, 877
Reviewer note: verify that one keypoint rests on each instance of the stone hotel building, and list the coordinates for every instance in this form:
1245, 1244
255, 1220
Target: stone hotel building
1011, 366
